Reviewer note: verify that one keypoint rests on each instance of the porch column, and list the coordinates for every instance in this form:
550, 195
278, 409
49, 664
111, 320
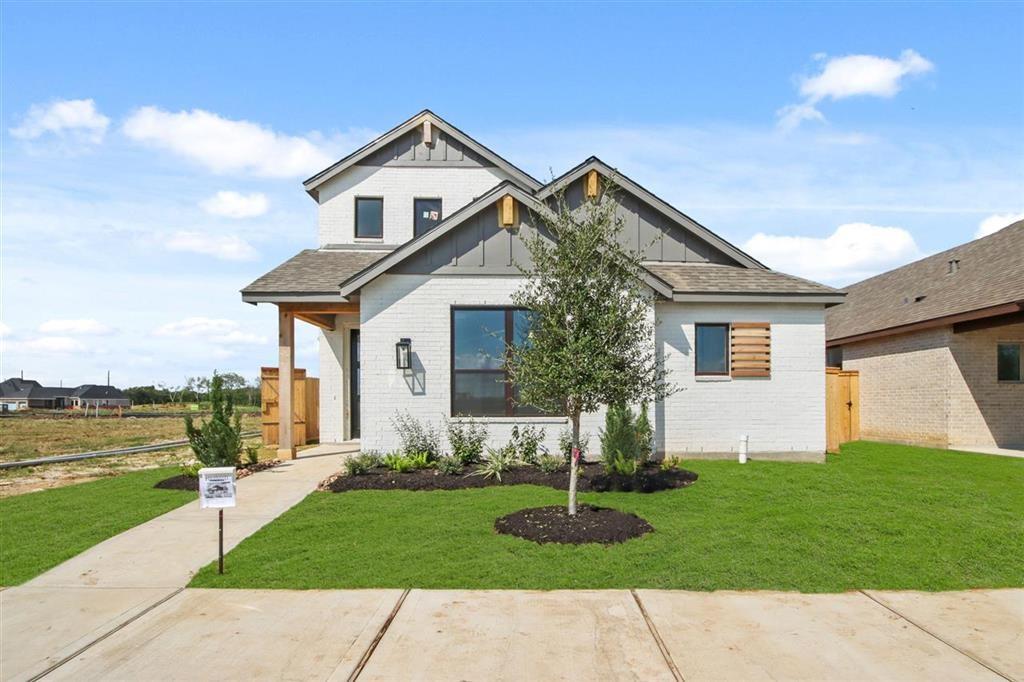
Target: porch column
285, 383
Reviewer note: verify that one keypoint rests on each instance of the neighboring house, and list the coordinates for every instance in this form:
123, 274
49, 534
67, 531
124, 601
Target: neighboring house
938, 344
419, 236
20, 394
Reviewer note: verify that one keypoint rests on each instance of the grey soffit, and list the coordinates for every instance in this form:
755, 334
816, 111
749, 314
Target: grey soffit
594, 163
352, 284
708, 278
389, 137
308, 274
989, 272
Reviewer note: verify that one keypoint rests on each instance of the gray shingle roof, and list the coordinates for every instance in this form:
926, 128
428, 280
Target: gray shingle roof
313, 271
990, 273
706, 278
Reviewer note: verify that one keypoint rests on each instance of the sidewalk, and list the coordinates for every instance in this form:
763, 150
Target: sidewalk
69, 607
203, 634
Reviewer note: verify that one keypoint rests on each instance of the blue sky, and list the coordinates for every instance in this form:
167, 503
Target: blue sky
152, 154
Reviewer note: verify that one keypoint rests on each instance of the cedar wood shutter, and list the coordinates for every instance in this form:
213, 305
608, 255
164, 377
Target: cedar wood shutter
751, 349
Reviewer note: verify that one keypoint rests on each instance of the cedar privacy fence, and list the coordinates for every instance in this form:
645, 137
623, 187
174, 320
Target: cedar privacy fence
842, 407
306, 401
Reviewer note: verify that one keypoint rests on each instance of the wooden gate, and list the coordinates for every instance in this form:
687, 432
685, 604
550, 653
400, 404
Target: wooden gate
306, 411
842, 407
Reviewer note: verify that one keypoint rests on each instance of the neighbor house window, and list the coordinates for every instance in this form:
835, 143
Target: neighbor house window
426, 215
712, 349
369, 217
1009, 361
479, 380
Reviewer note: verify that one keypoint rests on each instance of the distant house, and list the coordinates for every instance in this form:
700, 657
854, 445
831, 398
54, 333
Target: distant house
939, 346
20, 394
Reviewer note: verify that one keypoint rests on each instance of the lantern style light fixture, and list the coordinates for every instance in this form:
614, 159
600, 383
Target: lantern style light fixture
403, 354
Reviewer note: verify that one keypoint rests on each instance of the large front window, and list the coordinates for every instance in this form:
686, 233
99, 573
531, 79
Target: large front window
480, 385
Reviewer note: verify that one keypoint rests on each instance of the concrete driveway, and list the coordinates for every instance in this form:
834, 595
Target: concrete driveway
563, 635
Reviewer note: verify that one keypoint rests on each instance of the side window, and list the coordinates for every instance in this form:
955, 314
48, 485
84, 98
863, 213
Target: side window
712, 349
1008, 362
426, 215
369, 217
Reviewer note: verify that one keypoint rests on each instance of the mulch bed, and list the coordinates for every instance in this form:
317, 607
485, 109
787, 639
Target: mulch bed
183, 482
590, 524
592, 479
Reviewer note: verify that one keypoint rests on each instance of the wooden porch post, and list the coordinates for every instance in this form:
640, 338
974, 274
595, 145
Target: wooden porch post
285, 383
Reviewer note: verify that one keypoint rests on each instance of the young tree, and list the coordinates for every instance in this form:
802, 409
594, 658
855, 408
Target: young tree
591, 338
217, 442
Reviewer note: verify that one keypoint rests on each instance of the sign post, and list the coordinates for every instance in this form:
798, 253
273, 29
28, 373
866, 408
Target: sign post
217, 491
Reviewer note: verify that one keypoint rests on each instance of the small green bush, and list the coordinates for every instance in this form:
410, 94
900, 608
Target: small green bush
420, 460
644, 436
252, 455
550, 464
415, 436
565, 444
361, 463
450, 466
670, 463
621, 464
217, 442
618, 439
397, 462
466, 438
191, 469
498, 462
527, 442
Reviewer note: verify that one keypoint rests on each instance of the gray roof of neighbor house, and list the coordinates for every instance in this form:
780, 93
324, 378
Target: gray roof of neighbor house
737, 282
988, 277
17, 388
94, 391
310, 273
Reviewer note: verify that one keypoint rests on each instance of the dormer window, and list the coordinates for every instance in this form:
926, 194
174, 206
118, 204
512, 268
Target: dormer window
369, 217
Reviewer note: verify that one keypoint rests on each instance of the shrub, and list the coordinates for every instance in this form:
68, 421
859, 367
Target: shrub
252, 455
670, 463
497, 462
218, 441
450, 466
565, 444
550, 464
419, 460
191, 469
621, 464
361, 463
397, 462
644, 436
618, 439
415, 436
526, 442
466, 439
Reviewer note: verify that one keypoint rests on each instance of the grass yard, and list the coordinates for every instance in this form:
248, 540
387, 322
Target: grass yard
876, 516
40, 530
26, 437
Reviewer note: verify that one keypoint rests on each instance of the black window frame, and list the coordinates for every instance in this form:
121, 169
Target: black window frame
696, 349
415, 212
511, 408
355, 224
1020, 362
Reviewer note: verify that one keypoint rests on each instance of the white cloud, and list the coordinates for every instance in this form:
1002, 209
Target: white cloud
853, 252
5, 330
75, 119
236, 205
48, 344
227, 146
78, 327
855, 75
996, 222
218, 330
225, 247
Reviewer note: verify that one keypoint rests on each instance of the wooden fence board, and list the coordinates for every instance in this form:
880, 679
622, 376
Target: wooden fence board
842, 407
305, 401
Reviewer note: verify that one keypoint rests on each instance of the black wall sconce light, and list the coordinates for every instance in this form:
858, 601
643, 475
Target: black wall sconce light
403, 354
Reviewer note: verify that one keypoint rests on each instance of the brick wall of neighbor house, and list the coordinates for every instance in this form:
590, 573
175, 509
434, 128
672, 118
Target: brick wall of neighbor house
783, 413
904, 386
399, 186
983, 411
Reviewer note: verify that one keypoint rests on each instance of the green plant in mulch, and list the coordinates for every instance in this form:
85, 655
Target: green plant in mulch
415, 436
526, 440
466, 439
217, 442
498, 461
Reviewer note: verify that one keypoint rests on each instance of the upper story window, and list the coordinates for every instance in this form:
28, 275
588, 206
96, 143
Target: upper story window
480, 385
1009, 362
712, 349
369, 217
426, 215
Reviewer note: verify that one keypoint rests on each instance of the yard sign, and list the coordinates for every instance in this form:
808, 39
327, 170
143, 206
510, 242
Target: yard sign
217, 491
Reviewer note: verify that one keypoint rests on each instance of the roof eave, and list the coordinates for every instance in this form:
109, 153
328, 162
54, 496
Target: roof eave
756, 297
966, 316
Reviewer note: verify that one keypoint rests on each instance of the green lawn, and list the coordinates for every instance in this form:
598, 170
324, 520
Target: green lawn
876, 516
40, 530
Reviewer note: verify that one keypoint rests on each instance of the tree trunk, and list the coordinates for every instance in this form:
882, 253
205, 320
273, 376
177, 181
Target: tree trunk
574, 461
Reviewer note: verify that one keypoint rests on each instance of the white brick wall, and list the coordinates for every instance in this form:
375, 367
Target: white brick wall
783, 414
334, 353
399, 186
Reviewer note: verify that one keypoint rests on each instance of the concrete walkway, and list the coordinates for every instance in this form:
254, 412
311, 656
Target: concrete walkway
87, 597
564, 635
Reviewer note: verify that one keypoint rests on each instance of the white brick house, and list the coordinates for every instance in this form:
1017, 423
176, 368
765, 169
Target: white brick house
419, 239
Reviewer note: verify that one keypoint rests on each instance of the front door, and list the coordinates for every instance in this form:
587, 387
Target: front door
354, 382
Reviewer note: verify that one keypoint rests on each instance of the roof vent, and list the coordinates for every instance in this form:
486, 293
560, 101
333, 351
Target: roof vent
954, 265
918, 299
